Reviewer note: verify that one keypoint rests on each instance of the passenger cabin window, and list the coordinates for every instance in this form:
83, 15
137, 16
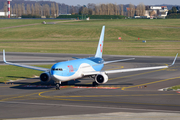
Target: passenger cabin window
57, 69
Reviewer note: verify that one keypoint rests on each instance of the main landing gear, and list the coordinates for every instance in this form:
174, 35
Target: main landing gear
58, 86
95, 84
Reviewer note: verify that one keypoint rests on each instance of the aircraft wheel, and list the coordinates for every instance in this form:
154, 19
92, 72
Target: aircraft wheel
57, 86
95, 84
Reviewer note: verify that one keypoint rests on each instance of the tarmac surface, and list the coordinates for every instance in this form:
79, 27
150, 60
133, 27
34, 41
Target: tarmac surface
132, 95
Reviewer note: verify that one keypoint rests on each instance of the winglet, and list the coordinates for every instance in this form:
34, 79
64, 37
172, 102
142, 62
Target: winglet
4, 56
174, 60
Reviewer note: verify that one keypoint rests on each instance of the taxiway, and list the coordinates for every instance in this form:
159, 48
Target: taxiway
133, 92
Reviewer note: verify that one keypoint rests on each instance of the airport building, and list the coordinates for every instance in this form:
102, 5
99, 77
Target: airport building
156, 11
3, 14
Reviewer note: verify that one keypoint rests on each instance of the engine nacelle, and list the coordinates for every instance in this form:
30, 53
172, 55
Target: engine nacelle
45, 77
101, 78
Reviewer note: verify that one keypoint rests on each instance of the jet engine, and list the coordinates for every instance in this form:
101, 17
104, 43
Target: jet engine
45, 77
101, 78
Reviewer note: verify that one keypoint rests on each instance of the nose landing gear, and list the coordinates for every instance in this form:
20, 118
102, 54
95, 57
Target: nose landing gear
58, 84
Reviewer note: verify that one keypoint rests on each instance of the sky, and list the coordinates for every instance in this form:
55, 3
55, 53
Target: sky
135, 2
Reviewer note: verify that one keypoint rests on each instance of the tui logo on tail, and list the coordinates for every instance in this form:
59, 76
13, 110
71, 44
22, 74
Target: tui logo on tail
100, 44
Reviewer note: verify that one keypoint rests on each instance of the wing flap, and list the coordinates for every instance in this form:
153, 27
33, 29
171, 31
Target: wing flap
118, 60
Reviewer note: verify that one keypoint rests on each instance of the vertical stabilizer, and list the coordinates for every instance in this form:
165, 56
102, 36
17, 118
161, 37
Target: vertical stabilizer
100, 45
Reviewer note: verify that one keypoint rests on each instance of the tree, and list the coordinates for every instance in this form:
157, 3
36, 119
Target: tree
108, 9
91, 6
5, 9
46, 10
37, 9
96, 10
111, 9
32, 9
10, 10
19, 10
140, 10
116, 9
72, 11
53, 10
103, 9
174, 10
169, 12
28, 9
90, 11
57, 10
121, 9
16, 10
100, 10
131, 11
83, 10
22, 9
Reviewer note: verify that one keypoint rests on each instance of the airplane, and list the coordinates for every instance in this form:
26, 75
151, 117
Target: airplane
83, 67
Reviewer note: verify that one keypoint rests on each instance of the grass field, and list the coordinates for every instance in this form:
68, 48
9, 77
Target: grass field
15, 73
81, 37
16, 22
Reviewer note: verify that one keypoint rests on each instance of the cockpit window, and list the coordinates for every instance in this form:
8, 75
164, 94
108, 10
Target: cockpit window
57, 69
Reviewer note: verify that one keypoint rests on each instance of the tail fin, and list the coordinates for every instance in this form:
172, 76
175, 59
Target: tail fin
100, 45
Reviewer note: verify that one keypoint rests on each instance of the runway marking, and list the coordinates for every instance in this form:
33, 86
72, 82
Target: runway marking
6, 99
113, 102
137, 74
140, 95
116, 68
98, 107
172, 70
97, 87
41, 86
123, 88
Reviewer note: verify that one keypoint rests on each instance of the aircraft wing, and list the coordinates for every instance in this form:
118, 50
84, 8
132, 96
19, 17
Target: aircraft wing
25, 66
75, 57
128, 70
107, 62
